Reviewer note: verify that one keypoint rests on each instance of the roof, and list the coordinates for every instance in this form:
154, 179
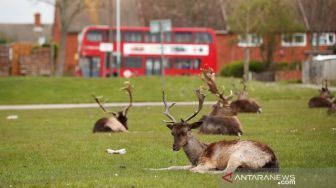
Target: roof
25, 32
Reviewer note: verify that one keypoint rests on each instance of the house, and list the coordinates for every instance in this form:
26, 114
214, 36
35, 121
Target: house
36, 33
230, 46
18, 55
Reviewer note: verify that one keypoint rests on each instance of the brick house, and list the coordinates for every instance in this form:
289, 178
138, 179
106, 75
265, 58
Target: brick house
35, 33
229, 48
18, 56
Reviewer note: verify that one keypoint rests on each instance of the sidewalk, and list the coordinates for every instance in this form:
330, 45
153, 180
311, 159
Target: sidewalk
314, 86
92, 105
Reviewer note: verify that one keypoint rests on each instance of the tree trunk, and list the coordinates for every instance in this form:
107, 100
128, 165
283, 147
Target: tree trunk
62, 53
267, 50
246, 63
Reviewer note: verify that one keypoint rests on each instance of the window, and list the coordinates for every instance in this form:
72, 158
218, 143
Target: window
203, 37
132, 62
167, 37
95, 36
183, 37
89, 66
326, 39
183, 63
152, 37
296, 39
133, 36
153, 66
197, 63
251, 40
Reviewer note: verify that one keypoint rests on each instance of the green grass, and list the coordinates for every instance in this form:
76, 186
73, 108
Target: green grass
36, 90
56, 148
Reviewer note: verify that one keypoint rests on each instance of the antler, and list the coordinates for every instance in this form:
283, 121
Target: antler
102, 106
166, 112
325, 84
209, 79
128, 88
200, 97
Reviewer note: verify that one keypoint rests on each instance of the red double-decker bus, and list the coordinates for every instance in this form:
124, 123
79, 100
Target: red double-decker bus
185, 51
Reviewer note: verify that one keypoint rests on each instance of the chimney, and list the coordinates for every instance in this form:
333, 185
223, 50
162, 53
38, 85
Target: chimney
37, 21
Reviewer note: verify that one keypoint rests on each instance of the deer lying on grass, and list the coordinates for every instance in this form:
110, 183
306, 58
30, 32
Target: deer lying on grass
222, 119
217, 157
243, 103
322, 101
332, 109
118, 121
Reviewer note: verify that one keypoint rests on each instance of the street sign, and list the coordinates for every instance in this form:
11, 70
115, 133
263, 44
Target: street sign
157, 26
106, 47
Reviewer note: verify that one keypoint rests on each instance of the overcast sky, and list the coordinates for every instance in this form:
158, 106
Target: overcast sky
22, 11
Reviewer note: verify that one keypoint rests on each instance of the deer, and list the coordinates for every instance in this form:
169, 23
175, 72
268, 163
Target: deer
117, 122
323, 100
332, 109
222, 119
243, 103
217, 157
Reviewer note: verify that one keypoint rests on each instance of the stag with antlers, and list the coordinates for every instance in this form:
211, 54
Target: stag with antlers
217, 157
324, 100
117, 122
222, 119
243, 103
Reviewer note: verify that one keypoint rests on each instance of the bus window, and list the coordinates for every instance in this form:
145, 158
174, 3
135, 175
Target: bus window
133, 36
153, 66
183, 37
167, 37
95, 36
89, 66
203, 38
197, 63
183, 64
132, 62
150, 37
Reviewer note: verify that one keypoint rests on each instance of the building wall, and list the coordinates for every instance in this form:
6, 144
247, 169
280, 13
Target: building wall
229, 51
70, 55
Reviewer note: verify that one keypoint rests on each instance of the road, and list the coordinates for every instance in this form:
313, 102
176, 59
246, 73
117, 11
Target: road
91, 105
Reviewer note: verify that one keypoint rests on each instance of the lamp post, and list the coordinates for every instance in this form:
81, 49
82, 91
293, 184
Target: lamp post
118, 36
159, 27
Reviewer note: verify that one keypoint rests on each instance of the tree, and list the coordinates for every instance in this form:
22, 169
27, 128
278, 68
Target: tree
265, 18
66, 10
318, 17
277, 17
244, 20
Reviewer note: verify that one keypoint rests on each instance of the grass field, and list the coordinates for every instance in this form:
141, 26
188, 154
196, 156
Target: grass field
36, 90
56, 148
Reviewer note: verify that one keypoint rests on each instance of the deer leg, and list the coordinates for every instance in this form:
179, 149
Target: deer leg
171, 168
203, 168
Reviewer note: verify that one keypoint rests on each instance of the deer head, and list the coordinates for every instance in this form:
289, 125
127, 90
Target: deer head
121, 116
324, 91
223, 103
182, 130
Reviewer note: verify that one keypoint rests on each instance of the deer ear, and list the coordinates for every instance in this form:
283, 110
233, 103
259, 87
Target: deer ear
195, 125
170, 126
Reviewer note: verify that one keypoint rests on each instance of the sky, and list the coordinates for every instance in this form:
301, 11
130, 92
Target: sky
22, 11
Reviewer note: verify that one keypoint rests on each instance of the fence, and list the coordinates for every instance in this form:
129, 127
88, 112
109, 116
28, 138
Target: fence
22, 59
4, 60
319, 68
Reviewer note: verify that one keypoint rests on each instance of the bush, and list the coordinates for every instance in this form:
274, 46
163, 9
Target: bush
283, 66
236, 68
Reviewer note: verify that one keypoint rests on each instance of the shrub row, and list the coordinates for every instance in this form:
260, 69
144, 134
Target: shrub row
236, 68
